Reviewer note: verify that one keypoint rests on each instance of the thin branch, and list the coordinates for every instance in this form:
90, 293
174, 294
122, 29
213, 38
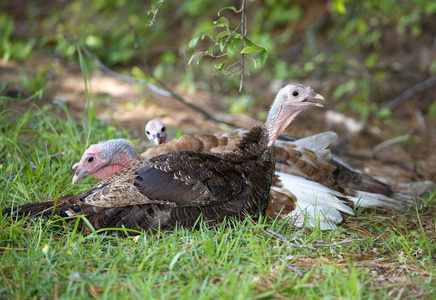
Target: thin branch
420, 118
409, 93
55, 155
284, 239
347, 241
242, 44
14, 243
301, 273
312, 246
162, 92
155, 13
388, 143
400, 163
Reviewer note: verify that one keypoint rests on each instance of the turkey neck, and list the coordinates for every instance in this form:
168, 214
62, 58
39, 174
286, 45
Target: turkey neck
279, 117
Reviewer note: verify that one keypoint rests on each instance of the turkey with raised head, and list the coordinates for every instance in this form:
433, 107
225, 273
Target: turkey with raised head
308, 173
178, 187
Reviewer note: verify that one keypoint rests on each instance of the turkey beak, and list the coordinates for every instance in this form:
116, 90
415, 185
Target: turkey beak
314, 98
156, 139
79, 174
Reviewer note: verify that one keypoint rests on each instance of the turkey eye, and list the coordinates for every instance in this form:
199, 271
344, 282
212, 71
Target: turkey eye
163, 129
148, 132
295, 93
90, 159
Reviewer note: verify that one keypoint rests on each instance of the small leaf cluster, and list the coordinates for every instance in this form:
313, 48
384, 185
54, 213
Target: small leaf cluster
228, 43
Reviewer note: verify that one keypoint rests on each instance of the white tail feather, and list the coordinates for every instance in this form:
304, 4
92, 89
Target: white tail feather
312, 192
316, 142
316, 204
320, 205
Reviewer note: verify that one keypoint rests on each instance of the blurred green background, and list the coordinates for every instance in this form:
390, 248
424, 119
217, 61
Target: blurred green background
362, 54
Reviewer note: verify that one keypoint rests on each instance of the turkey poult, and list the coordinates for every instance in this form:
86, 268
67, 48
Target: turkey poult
179, 187
155, 132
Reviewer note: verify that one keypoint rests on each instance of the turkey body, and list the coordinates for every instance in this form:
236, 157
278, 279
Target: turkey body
311, 186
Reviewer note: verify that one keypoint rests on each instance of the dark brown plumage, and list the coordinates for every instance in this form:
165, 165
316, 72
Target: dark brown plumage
179, 187
225, 185
291, 158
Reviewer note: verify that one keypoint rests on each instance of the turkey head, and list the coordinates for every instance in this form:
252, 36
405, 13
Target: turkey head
102, 159
156, 132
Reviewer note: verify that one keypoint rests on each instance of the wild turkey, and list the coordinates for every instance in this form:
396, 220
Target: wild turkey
300, 165
179, 187
155, 132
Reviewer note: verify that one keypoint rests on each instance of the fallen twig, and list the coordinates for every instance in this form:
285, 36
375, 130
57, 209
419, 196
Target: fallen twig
14, 243
162, 92
420, 118
388, 143
312, 246
284, 239
301, 273
400, 163
56, 154
409, 93
347, 241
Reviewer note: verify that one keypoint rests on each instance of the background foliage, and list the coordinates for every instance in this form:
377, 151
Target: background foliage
364, 52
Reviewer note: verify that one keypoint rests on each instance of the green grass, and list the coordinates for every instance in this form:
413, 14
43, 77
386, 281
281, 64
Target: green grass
236, 260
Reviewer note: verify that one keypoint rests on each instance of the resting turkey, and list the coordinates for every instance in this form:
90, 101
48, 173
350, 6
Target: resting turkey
179, 187
319, 181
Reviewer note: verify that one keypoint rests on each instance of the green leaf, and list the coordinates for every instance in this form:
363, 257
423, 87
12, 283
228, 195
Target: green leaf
199, 54
224, 21
432, 68
432, 110
339, 6
193, 42
343, 89
227, 7
222, 34
93, 41
248, 42
430, 8
219, 66
251, 49
233, 46
137, 72
210, 31
371, 60
211, 49
384, 113
263, 55
223, 43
